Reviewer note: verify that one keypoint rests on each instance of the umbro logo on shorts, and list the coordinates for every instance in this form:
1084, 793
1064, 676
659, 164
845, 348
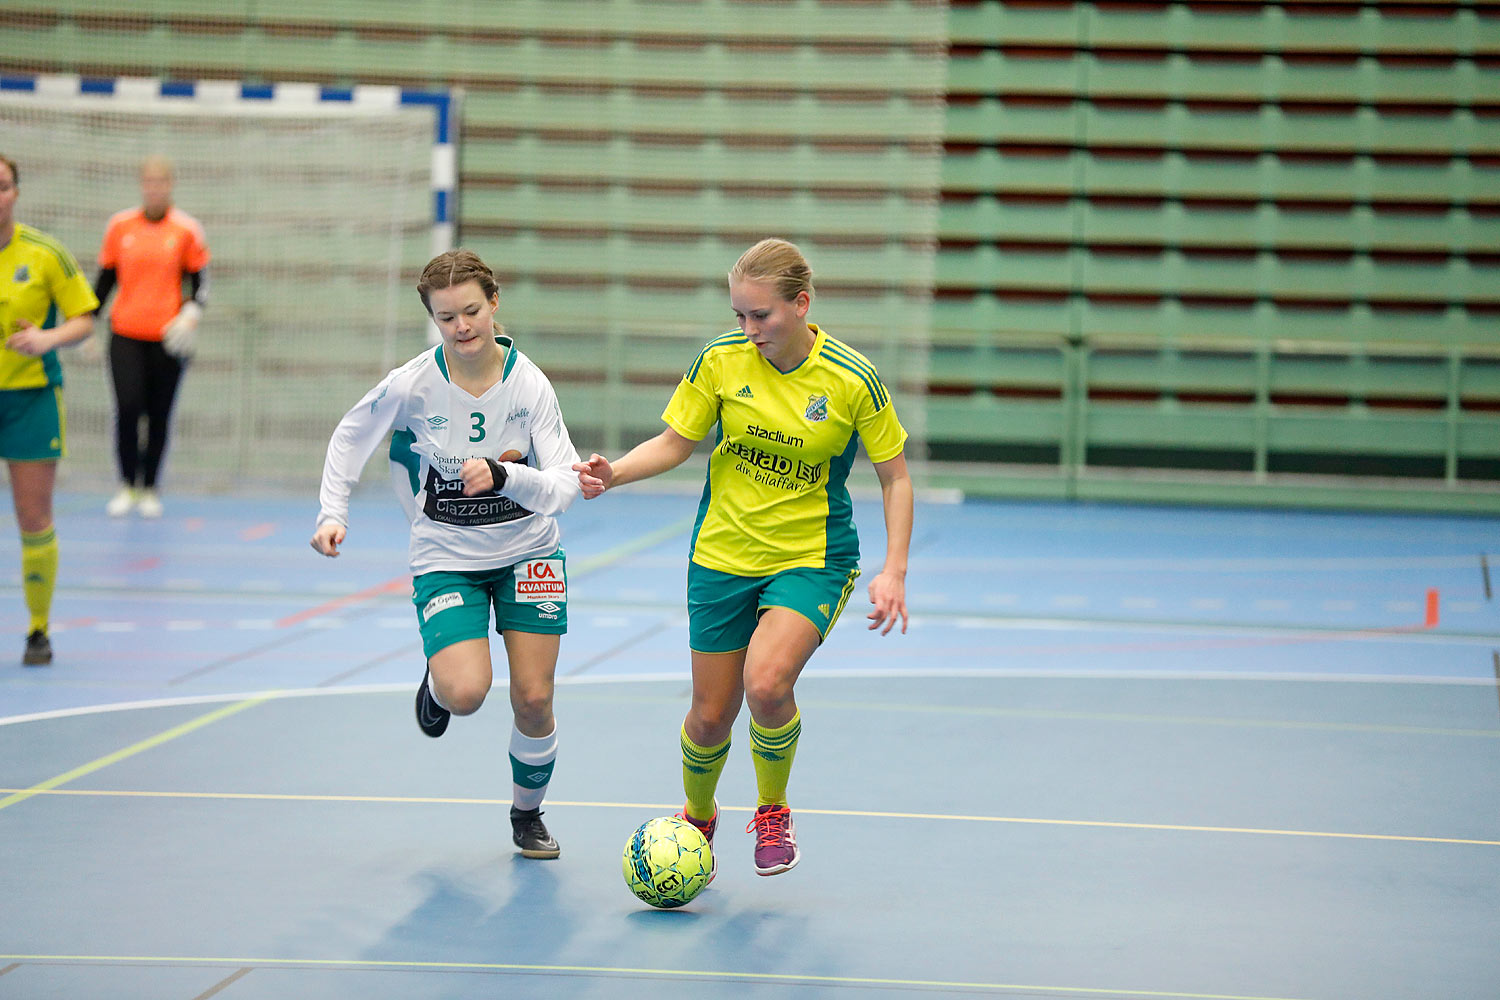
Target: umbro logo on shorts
744, 393
548, 607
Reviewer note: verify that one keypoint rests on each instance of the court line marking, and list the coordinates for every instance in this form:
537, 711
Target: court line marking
392, 586
856, 813
595, 970
224, 984
166, 735
399, 583
1203, 564
677, 677
1173, 720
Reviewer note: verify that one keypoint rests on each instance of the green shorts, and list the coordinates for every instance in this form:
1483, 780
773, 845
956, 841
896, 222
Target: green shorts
723, 609
531, 596
32, 423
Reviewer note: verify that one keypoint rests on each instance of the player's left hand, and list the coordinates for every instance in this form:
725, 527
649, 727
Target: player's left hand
888, 594
30, 339
180, 336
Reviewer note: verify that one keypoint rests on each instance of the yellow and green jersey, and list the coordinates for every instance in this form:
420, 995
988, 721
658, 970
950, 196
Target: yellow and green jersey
775, 498
40, 282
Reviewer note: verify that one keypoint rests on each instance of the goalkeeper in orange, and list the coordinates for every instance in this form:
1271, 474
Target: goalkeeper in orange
774, 554
150, 253
45, 304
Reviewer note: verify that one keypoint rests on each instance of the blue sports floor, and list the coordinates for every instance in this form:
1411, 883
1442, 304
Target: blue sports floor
1121, 753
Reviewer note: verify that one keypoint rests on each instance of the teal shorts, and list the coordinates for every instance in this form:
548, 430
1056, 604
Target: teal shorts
32, 422
723, 609
531, 596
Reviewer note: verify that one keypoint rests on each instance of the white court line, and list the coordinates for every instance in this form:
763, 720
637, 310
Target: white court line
1203, 564
680, 677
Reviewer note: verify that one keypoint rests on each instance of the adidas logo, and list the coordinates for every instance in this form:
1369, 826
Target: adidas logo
823, 610
744, 393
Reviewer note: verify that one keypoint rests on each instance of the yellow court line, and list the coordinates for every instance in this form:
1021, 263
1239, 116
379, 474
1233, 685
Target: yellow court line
774, 977
647, 541
22, 794
858, 813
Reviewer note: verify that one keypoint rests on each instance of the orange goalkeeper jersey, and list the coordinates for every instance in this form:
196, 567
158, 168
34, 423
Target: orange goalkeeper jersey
150, 259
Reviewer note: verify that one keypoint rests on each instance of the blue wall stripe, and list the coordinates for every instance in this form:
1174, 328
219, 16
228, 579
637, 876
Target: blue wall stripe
177, 88
97, 86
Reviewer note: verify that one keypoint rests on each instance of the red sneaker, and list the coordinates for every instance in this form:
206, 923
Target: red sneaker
707, 828
775, 840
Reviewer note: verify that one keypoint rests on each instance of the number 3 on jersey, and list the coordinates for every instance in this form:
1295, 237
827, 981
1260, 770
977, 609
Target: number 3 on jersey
476, 432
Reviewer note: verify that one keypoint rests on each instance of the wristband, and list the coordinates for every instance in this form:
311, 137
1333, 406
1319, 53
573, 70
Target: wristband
497, 473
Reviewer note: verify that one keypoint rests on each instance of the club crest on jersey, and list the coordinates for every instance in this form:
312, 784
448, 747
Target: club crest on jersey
817, 408
23, 275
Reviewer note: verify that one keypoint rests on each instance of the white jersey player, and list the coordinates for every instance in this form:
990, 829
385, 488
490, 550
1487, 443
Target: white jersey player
476, 428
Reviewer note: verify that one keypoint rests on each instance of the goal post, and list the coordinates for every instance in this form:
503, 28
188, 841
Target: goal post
320, 206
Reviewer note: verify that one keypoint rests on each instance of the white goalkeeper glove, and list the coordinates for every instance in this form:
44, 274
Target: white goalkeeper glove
180, 336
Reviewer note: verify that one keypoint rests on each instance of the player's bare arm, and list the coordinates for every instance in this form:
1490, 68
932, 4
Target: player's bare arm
888, 589
33, 341
667, 450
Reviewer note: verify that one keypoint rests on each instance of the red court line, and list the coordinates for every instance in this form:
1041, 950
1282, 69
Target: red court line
389, 587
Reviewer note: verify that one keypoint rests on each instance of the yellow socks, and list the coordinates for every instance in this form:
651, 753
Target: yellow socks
773, 751
701, 767
39, 574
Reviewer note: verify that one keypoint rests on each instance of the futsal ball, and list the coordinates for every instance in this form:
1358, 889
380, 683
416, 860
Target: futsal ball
667, 862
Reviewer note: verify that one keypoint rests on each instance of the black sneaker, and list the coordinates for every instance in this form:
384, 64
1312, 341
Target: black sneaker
38, 650
432, 717
530, 834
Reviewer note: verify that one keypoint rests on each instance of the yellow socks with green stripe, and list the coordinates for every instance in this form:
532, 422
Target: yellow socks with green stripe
39, 574
701, 767
773, 751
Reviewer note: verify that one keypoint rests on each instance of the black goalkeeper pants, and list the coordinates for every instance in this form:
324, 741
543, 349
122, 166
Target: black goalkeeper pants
145, 378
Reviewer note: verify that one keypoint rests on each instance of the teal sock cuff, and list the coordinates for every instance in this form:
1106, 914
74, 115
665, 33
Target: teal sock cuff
531, 775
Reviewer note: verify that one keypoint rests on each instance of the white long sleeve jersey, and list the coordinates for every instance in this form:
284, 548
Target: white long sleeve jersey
435, 427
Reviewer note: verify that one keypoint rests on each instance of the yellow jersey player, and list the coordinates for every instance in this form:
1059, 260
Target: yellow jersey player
45, 303
774, 552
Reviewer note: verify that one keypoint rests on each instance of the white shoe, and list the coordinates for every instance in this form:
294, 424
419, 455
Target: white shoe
122, 502
149, 504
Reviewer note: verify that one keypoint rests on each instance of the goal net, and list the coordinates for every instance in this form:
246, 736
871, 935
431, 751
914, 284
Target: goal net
319, 215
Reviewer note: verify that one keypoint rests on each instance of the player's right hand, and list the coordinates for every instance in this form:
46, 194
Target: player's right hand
30, 339
594, 475
328, 538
